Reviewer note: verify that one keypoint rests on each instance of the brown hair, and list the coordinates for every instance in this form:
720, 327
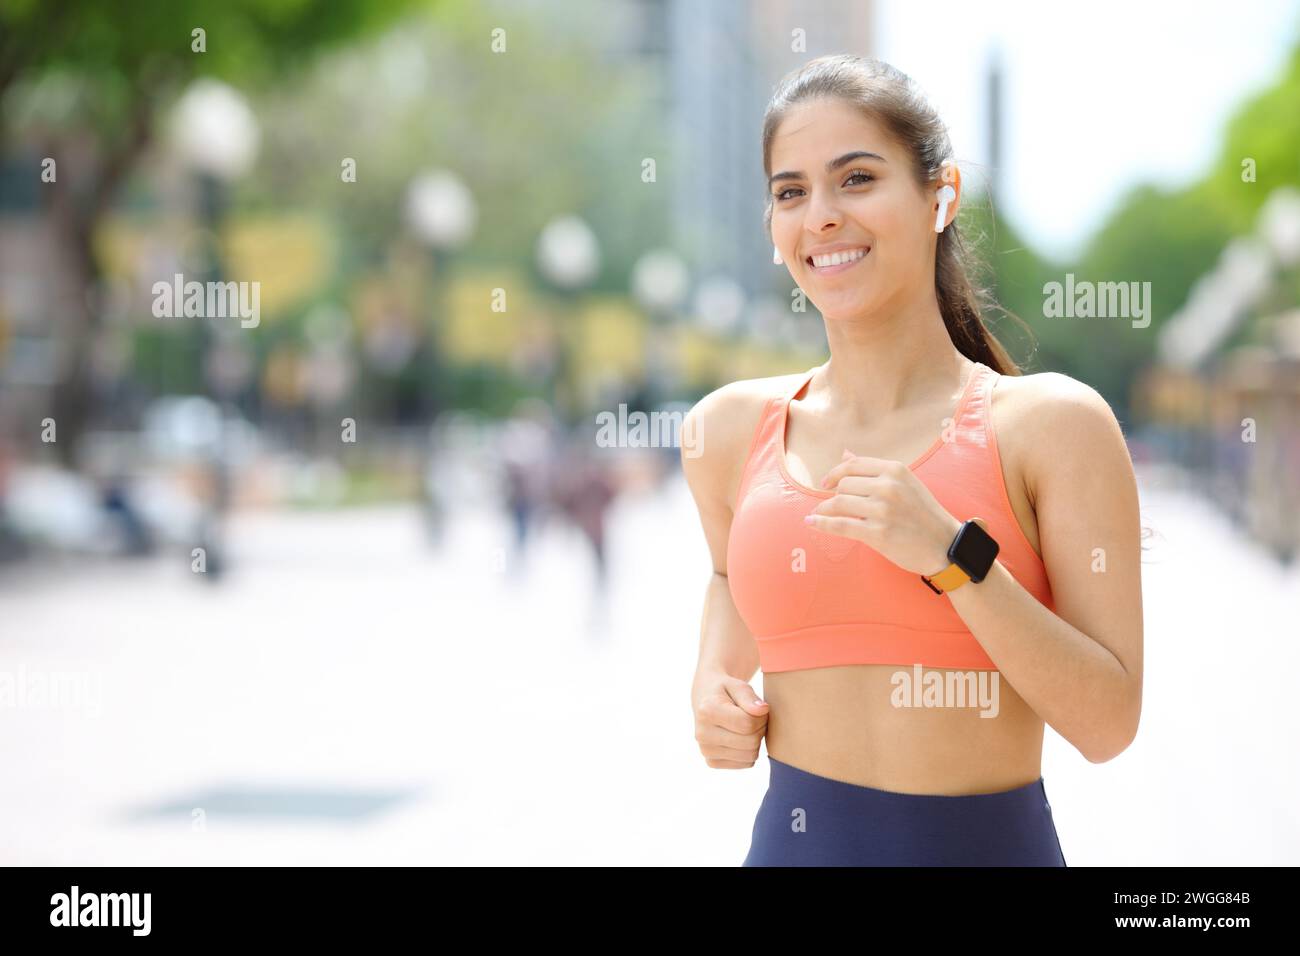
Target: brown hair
891, 97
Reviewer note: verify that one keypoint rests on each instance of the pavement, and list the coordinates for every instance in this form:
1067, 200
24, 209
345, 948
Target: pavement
354, 692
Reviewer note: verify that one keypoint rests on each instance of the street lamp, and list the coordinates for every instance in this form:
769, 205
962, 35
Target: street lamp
214, 131
440, 209
659, 284
215, 134
659, 281
441, 212
567, 252
568, 256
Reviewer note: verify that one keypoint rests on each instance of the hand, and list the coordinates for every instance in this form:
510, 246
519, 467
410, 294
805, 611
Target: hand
884, 504
730, 720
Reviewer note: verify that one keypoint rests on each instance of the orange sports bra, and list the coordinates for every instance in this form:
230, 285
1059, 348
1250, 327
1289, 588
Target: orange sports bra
814, 599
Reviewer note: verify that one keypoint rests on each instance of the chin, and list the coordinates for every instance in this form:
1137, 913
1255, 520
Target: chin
840, 308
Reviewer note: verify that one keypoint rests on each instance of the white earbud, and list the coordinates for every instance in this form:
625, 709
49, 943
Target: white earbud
946, 195
776, 257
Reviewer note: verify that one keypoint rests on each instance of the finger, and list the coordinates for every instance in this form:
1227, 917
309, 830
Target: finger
858, 465
727, 715
722, 743
860, 485
729, 764
849, 506
724, 732
848, 527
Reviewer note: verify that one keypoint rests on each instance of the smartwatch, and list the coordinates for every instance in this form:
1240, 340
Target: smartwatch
972, 552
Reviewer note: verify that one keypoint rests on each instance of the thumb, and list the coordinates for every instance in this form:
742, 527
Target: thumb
749, 701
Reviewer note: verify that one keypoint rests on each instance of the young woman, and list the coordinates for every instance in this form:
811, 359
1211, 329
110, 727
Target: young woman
928, 553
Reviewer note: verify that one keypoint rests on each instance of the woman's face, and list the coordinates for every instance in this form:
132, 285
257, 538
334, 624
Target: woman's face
862, 204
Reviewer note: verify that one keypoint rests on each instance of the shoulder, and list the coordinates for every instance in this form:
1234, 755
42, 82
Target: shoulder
718, 429
1052, 421
1048, 400
1052, 393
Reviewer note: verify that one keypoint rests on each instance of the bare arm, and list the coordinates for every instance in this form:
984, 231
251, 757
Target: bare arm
726, 645
730, 720
1080, 668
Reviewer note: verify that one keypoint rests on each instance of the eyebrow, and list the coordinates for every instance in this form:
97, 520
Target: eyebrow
833, 165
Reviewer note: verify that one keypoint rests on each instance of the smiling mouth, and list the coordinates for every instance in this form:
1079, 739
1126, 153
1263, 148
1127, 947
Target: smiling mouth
837, 266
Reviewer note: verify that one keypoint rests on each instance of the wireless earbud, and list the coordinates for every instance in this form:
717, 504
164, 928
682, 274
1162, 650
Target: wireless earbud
776, 256
946, 195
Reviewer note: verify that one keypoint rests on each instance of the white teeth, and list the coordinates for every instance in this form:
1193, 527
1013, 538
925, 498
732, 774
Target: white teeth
838, 258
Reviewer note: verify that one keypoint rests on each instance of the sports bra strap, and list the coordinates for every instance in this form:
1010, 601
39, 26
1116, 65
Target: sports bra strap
802, 381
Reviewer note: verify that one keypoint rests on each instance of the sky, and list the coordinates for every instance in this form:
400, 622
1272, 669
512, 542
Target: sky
1098, 97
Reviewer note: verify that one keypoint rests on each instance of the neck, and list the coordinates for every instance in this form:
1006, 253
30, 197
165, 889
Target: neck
889, 359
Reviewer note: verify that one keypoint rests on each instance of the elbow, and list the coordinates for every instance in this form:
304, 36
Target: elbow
1112, 745
1118, 732
1101, 754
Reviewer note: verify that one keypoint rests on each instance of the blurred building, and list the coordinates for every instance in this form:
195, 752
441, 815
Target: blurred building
1224, 397
720, 62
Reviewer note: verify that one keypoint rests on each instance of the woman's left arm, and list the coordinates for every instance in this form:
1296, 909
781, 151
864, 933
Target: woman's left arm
1080, 668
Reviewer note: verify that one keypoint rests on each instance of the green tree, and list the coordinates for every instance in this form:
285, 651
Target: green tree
91, 77
1172, 237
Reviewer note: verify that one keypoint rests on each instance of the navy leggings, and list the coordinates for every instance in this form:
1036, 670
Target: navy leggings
809, 820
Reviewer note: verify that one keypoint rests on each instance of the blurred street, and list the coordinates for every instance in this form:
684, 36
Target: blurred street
350, 693
342, 510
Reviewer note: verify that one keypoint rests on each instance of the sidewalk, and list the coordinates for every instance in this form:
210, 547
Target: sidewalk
349, 694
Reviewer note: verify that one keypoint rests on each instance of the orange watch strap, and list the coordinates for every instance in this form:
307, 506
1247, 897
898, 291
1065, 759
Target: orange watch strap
949, 579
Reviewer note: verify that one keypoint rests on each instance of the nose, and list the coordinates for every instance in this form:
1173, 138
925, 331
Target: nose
823, 213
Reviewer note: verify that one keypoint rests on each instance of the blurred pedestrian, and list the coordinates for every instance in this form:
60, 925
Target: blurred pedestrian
526, 440
137, 541
584, 491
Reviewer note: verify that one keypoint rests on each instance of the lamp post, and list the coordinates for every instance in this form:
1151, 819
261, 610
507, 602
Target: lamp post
441, 212
215, 135
568, 256
659, 284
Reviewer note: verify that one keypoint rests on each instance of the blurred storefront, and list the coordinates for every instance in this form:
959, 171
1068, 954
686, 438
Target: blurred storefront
1223, 402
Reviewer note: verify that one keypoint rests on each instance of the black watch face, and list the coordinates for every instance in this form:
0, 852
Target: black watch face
973, 551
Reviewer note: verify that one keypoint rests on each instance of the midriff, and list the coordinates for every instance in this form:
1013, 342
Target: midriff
840, 722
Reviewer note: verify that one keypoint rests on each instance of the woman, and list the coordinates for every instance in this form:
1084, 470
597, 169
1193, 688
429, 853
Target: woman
928, 553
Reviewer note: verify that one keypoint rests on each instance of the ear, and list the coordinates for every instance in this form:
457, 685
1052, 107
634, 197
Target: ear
950, 175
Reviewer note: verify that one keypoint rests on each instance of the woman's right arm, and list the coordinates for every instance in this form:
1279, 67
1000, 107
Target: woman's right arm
730, 720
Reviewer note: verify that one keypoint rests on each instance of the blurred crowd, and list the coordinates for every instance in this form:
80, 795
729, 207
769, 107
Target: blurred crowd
171, 486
